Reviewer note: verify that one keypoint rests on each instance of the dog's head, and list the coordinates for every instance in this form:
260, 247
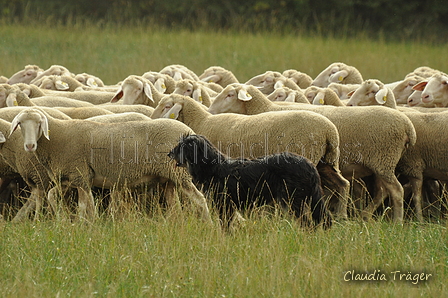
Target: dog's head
191, 149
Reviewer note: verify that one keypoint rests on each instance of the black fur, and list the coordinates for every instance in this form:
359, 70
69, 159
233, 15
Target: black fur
286, 179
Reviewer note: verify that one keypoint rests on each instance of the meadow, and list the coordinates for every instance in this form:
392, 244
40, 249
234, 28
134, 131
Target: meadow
180, 256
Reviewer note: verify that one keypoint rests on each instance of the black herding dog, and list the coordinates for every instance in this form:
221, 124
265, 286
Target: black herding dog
286, 179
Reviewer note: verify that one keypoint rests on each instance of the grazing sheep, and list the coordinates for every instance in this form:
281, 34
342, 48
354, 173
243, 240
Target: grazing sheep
107, 155
137, 90
284, 179
218, 75
366, 148
179, 72
288, 95
302, 79
338, 72
25, 75
301, 132
343, 90
89, 80
57, 70
195, 90
162, 82
268, 81
372, 92
435, 90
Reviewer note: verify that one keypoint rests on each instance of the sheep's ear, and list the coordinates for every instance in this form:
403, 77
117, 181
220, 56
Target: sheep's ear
11, 100
381, 96
14, 124
177, 76
2, 138
44, 127
338, 76
279, 84
147, 90
244, 95
211, 79
117, 95
91, 82
291, 97
173, 113
319, 99
420, 86
60, 85
160, 85
197, 95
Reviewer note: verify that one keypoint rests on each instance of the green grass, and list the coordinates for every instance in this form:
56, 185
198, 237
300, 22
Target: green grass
147, 256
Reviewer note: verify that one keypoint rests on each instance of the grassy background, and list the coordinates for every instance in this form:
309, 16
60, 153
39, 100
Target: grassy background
183, 257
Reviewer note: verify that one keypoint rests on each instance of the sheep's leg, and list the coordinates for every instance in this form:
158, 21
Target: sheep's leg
24, 211
417, 193
334, 180
172, 199
37, 195
378, 198
52, 198
191, 192
86, 204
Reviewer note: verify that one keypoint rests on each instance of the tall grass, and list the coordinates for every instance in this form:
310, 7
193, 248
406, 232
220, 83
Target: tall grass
158, 256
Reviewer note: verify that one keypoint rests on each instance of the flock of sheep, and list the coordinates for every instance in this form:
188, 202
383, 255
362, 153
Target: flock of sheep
370, 140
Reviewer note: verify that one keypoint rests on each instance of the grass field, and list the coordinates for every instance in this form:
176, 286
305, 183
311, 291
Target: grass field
155, 256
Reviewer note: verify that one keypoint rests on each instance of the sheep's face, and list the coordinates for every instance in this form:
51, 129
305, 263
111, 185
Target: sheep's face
436, 88
415, 99
278, 95
33, 124
229, 100
184, 88
170, 107
24, 76
368, 94
404, 89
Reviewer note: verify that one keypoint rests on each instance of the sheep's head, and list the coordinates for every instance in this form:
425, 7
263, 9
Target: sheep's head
266, 81
282, 94
301, 79
404, 89
33, 124
435, 89
415, 99
159, 80
311, 92
371, 92
25, 75
133, 90
232, 99
89, 80
337, 73
170, 106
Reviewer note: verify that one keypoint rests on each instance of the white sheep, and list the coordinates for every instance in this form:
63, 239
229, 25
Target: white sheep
288, 95
403, 90
325, 96
366, 148
58, 82
268, 81
137, 90
89, 80
58, 70
343, 90
179, 72
435, 90
162, 82
195, 90
107, 155
372, 92
25, 75
218, 75
338, 72
302, 79
302, 132
415, 100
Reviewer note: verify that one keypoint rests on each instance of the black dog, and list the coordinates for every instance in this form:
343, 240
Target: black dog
286, 179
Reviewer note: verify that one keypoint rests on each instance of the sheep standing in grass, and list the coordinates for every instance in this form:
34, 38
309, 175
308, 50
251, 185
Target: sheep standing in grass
338, 72
288, 95
302, 79
301, 132
25, 75
366, 148
218, 75
107, 155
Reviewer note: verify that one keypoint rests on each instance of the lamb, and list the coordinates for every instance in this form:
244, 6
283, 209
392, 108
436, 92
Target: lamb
195, 90
106, 155
218, 75
162, 82
255, 136
343, 90
178, 72
121, 117
137, 90
89, 80
288, 95
58, 70
338, 72
372, 92
365, 148
25, 75
302, 79
285, 179
268, 81
326, 96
